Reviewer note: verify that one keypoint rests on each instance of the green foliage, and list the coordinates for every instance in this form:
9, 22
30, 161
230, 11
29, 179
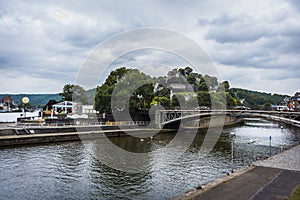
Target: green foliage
192, 78
267, 106
204, 99
73, 92
256, 100
163, 92
103, 98
188, 71
116, 76
163, 101
230, 101
211, 81
36, 100
124, 87
134, 88
91, 95
178, 101
161, 80
104, 92
224, 86
175, 102
296, 194
203, 85
218, 100
192, 103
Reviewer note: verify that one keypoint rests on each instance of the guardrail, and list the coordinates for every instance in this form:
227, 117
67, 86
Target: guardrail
165, 116
92, 123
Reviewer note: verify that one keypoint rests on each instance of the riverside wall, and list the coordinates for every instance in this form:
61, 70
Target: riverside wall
35, 138
42, 134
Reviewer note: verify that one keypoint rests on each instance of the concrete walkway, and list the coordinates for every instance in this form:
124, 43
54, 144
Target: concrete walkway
289, 160
273, 178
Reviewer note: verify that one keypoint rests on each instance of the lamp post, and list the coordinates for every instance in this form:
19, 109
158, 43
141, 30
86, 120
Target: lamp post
25, 101
232, 136
270, 145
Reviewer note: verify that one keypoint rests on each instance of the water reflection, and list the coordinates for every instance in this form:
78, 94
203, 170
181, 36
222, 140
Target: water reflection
72, 171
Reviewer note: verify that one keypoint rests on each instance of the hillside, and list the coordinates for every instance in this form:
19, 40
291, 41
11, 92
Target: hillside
42, 99
91, 95
35, 99
256, 100
252, 99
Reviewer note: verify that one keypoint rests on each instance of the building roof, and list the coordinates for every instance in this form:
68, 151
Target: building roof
64, 104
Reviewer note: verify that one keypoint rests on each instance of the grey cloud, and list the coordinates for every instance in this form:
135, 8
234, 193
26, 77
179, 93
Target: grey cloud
50, 40
237, 32
223, 20
295, 3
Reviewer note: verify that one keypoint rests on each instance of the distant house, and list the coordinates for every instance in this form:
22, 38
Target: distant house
73, 109
295, 102
7, 100
64, 107
178, 83
50, 104
8, 103
290, 103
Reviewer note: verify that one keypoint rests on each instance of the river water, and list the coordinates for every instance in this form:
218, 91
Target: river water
70, 170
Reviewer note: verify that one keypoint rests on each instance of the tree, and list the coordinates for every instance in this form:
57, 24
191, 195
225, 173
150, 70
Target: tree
192, 103
204, 99
218, 101
163, 101
124, 88
191, 78
175, 102
73, 92
230, 101
104, 92
226, 85
188, 71
163, 92
254, 99
202, 85
267, 106
103, 98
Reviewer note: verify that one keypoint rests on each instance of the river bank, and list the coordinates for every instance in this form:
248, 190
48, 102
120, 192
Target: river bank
279, 173
19, 135
68, 136
274, 178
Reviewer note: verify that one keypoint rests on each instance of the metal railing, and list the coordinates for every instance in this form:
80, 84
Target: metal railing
86, 123
171, 115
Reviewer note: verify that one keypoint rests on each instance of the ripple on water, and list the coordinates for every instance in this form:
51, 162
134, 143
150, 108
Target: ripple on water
70, 171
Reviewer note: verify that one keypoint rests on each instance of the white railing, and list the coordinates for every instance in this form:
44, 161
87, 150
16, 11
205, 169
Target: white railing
168, 115
92, 123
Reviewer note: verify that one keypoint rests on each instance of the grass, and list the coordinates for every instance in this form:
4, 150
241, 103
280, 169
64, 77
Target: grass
296, 194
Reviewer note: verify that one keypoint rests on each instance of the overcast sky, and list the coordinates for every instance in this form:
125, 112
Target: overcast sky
253, 44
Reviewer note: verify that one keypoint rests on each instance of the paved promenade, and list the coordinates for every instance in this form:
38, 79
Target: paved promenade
289, 160
273, 178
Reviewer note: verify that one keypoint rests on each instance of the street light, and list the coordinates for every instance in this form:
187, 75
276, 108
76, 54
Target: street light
232, 136
270, 145
25, 101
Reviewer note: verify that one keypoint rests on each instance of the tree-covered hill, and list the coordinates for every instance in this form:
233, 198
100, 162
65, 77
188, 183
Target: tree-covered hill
35, 99
257, 100
159, 91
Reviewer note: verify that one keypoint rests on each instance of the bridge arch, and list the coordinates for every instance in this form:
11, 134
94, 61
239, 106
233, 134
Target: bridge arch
164, 117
